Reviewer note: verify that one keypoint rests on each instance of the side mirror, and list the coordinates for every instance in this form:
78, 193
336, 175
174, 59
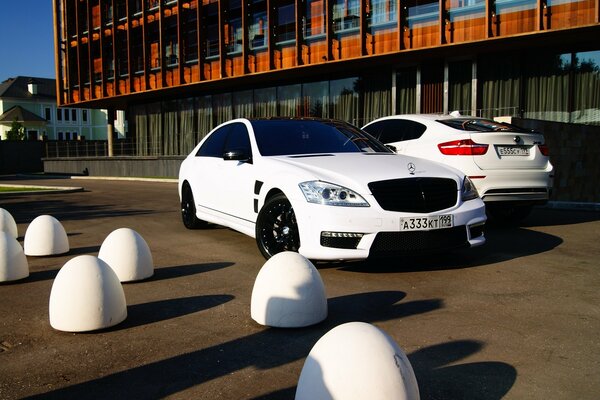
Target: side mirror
392, 148
237, 155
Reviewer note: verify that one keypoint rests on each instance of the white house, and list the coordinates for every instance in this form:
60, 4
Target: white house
32, 101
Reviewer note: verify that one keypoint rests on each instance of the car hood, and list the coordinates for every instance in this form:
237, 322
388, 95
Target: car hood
356, 170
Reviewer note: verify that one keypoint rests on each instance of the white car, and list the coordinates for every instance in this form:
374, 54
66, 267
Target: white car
509, 165
327, 190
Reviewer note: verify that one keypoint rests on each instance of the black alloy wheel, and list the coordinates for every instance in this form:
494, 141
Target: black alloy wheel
276, 227
188, 209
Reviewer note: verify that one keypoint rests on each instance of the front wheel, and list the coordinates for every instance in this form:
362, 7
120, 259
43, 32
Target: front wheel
276, 227
188, 209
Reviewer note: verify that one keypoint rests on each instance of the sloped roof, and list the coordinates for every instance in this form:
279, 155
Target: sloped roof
21, 115
16, 88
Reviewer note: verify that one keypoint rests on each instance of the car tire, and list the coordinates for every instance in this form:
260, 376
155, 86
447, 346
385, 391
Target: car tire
188, 209
276, 227
507, 214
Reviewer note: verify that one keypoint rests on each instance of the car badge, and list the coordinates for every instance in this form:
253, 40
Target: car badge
517, 139
411, 168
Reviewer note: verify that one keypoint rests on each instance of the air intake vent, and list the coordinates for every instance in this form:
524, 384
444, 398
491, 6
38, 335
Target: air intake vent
419, 195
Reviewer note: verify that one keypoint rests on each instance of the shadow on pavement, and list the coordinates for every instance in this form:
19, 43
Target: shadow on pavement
186, 270
266, 349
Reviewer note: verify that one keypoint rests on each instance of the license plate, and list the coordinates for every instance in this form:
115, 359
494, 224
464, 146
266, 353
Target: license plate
426, 223
513, 151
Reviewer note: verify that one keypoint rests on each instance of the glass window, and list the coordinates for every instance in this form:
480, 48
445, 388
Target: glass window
459, 86
346, 15
382, 12
48, 113
547, 87
316, 99
221, 107
499, 79
289, 100
257, 33
265, 102
67, 115
285, 30
293, 137
74, 115
344, 100
84, 115
315, 18
243, 104
422, 13
214, 144
377, 97
238, 139
59, 114
406, 91
586, 91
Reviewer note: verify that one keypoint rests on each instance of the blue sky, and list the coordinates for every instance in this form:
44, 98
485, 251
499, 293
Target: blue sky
26, 39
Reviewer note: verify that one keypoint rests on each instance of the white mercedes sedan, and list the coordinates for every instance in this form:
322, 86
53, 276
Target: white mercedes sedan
327, 190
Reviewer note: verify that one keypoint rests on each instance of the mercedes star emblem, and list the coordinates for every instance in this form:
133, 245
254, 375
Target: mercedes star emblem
411, 168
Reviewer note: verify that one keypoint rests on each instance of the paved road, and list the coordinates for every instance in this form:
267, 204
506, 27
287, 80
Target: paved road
516, 319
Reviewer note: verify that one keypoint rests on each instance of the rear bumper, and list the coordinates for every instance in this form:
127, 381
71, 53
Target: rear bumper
515, 185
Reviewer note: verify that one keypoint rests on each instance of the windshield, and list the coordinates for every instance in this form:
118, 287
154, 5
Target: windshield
290, 137
482, 125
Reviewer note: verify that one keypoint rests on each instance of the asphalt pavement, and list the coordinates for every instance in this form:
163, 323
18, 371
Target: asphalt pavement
518, 318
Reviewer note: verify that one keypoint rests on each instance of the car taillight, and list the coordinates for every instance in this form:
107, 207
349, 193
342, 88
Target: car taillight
544, 149
465, 147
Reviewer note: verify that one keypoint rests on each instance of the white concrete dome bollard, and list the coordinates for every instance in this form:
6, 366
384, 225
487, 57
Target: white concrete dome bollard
13, 263
128, 254
86, 295
288, 293
8, 224
45, 236
357, 361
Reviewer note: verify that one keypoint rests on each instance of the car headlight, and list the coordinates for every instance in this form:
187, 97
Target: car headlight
468, 191
331, 195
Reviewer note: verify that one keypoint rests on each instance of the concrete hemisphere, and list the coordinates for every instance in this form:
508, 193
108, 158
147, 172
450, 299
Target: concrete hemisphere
128, 254
13, 263
45, 236
288, 293
357, 360
8, 224
86, 295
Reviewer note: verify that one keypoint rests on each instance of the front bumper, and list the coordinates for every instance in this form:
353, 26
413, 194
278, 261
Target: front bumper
371, 231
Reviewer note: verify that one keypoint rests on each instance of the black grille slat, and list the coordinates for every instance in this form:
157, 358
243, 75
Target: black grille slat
421, 195
416, 242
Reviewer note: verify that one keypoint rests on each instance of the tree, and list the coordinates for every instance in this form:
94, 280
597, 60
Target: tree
16, 131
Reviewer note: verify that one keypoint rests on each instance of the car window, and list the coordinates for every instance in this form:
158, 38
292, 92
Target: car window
238, 139
482, 125
214, 145
288, 137
396, 130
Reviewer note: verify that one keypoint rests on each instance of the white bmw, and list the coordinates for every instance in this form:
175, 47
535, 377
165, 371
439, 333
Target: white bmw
326, 190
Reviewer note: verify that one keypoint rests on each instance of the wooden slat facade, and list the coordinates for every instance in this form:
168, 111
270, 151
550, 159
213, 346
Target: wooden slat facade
109, 48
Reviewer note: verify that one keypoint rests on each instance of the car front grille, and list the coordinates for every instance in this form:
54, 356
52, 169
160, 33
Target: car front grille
420, 195
419, 242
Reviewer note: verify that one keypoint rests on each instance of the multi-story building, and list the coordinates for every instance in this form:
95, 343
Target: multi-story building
179, 67
32, 102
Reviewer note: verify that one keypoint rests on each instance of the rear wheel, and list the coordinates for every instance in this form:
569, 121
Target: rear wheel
276, 227
188, 209
506, 214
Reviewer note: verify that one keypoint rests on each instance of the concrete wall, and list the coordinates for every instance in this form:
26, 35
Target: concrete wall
575, 154
164, 167
21, 156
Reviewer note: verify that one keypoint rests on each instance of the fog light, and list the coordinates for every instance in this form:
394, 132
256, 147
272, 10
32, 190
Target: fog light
341, 240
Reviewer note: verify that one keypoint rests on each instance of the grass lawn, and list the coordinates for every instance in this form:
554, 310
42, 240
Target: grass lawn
8, 189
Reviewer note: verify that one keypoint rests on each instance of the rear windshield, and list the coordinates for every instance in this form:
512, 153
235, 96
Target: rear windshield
290, 137
482, 125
